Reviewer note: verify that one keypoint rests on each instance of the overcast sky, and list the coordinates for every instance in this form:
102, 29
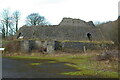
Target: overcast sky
55, 10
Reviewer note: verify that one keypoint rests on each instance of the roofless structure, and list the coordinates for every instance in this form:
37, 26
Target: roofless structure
69, 35
67, 29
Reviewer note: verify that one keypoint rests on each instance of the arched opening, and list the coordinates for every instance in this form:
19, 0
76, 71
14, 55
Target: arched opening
89, 36
19, 35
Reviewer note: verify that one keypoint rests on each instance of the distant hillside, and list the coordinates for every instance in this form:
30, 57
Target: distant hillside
110, 30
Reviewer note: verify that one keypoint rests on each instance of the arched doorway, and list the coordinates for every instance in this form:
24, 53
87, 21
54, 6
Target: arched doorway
89, 36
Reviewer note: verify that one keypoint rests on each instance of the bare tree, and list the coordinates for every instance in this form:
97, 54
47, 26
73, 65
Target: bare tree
2, 29
35, 19
5, 16
16, 16
7, 23
11, 26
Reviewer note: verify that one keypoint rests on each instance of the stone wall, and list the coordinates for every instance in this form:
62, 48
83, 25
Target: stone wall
50, 46
28, 46
75, 22
40, 46
81, 46
24, 46
68, 29
60, 33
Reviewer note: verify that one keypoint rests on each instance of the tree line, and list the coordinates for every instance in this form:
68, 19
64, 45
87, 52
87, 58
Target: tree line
9, 22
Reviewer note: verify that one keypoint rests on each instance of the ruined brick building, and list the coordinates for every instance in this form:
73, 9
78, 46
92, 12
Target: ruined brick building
53, 36
68, 29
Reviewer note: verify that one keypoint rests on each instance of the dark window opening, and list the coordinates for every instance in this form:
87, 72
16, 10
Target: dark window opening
45, 49
42, 41
31, 45
19, 35
89, 36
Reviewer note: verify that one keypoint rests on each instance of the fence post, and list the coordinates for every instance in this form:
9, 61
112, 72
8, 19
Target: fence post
84, 49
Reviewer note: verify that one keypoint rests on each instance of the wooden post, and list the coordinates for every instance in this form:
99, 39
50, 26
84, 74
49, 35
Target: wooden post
84, 49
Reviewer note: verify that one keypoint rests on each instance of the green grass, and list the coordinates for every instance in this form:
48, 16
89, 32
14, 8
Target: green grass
103, 74
95, 42
82, 62
84, 41
34, 64
52, 61
83, 70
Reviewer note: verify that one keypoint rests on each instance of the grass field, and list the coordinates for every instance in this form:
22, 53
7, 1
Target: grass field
85, 63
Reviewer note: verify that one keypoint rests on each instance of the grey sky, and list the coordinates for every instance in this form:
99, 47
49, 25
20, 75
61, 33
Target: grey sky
55, 10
